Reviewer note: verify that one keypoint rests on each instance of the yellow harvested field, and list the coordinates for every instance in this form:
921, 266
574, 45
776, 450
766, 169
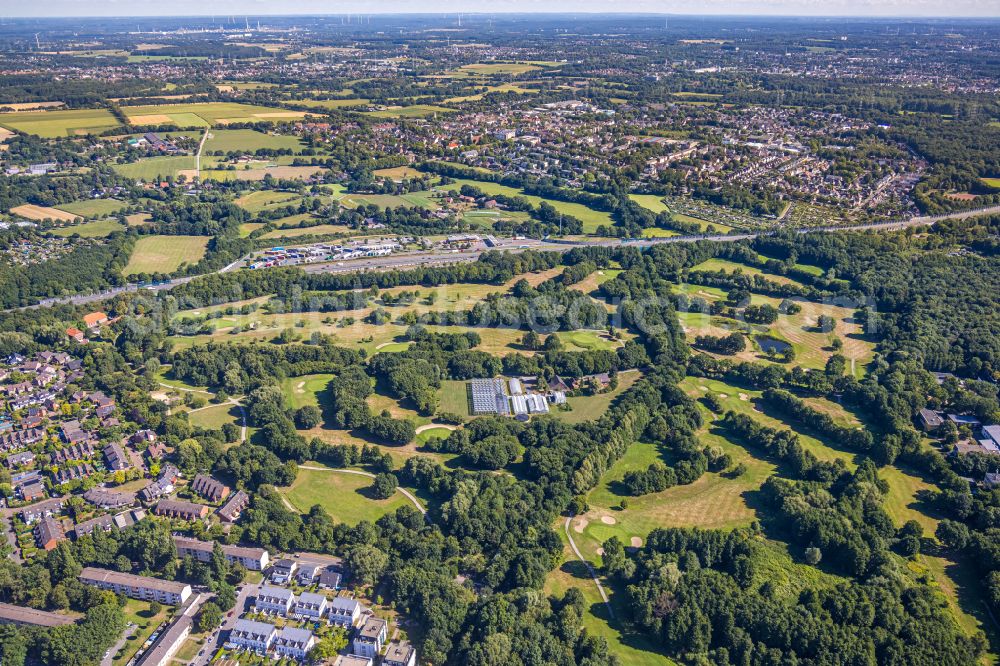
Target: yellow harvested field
28, 106
32, 212
151, 119
281, 114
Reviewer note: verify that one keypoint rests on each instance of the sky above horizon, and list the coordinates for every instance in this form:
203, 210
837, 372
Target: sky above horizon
56, 8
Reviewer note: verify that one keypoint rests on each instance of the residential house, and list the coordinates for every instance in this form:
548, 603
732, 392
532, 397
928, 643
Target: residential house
209, 488
48, 533
276, 600
370, 638
32, 617
74, 452
309, 605
72, 432
109, 499
352, 660
103, 523
94, 320
293, 642
231, 510
283, 570
115, 457
170, 641
330, 578
72, 473
255, 559
156, 451
308, 573
992, 434
343, 611
556, 383
930, 420
36, 512
75, 334
32, 491
252, 636
137, 587
400, 654
164, 484
180, 509
22, 459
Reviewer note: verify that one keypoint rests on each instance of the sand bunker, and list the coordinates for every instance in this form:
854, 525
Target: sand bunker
608, 520
636, 542
744, 397
580, 525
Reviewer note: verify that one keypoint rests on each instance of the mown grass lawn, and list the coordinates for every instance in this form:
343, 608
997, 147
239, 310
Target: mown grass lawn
93, 208
165, 254
215, 416
343, 496
98, 229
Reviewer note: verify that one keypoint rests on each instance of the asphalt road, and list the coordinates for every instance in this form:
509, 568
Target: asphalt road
217, 638
413, 259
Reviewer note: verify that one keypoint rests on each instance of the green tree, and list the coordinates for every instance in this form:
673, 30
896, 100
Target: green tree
210, 617
366, 563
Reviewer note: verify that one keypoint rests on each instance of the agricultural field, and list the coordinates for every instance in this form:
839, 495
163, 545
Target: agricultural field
255, 202
289, 172
344, 496
152, 169
98, 229
418, 199
59, 123
454, 397
318, 230
656, 232
93, 208
33, 212
591, 218
228, 140
165, 254
414, 111
206, 114
138, 219
503, 88
492, 69
249, 227
398, 173
330, 103
651, 202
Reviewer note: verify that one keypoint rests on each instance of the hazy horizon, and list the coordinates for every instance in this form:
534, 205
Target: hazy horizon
764, 8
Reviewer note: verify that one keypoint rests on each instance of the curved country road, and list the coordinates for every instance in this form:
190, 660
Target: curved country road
410, 496
590, 568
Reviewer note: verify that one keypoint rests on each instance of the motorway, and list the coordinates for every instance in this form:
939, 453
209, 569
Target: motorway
435, 258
